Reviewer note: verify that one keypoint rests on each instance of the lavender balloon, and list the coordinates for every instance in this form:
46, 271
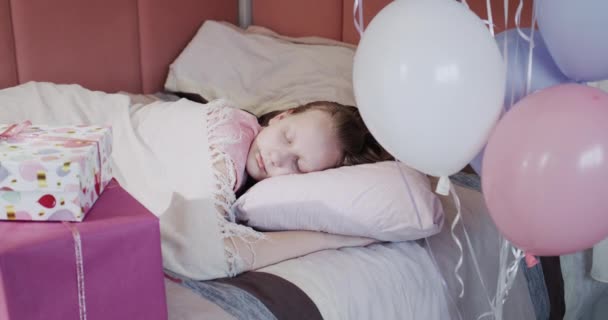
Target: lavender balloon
575, 33
545, 72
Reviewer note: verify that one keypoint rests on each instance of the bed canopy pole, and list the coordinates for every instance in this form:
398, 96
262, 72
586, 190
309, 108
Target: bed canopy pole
244, 13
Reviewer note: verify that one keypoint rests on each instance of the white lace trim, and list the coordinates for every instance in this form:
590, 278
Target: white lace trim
218, 113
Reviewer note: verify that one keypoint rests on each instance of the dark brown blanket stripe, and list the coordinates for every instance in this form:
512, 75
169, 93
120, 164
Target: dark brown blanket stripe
284, 299
555, 286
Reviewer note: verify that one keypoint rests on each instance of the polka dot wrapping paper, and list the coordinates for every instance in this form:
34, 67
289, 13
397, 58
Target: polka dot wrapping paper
53, 173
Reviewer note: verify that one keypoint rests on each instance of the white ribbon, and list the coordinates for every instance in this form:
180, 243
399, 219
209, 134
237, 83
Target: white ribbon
505, 52
458, 244
520, 7
506, 275
82, 304
428, 244
530, 40
469, 244
490, 19
358, 19
448, 187
531, 48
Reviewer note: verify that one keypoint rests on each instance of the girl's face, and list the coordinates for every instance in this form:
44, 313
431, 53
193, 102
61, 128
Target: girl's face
294, 143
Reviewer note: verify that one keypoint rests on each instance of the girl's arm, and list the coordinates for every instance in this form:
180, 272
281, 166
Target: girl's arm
282, 245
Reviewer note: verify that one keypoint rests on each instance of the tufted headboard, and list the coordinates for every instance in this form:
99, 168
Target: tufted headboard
334, 18
113, 45
107, 45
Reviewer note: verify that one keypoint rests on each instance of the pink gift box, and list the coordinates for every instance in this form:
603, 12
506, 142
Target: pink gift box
121, 274
52, 172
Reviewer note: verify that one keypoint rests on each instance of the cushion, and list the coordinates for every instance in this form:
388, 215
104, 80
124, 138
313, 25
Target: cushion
261, 71
368, 200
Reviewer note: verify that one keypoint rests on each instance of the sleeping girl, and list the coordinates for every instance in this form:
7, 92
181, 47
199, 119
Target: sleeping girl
308, 138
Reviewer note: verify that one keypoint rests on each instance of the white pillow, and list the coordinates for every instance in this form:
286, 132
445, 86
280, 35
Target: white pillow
261, 71
368, 200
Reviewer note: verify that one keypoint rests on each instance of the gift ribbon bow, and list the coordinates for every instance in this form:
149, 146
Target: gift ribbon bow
15, 129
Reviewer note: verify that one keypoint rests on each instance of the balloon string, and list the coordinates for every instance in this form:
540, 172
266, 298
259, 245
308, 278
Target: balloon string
460, 249
470, 245
529, 75
518, 254
520, 7
505, 51
443, 283
489, 9
506, 276
516, 55
473, 257
471, 250
487, 22
506, 10
428, 244
457, 218
500, 281
358, 18
530, 40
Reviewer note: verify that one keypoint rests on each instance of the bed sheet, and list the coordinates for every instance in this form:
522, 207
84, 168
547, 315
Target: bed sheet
380, 281
400, 280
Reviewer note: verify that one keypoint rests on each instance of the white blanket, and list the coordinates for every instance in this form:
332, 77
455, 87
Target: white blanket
162, 157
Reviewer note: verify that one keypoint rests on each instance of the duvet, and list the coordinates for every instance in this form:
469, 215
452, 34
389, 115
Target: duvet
165, 155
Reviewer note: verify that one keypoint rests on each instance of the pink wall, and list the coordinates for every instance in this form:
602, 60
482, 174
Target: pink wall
113, 45
107, 45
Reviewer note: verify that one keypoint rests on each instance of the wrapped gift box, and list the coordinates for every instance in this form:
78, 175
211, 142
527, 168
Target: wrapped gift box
119, 275
53, 173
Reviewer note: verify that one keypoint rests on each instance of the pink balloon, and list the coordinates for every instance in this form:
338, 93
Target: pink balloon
545, 171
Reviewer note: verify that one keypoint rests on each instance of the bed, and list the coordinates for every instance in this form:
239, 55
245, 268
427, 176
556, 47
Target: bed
127, 46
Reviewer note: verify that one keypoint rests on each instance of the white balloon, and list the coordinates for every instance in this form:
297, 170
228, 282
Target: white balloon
429, 82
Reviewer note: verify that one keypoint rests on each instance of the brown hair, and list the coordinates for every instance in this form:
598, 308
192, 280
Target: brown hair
358, 144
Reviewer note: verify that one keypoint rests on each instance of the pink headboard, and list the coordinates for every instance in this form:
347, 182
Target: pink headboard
334, 18
113, 45
107, 45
